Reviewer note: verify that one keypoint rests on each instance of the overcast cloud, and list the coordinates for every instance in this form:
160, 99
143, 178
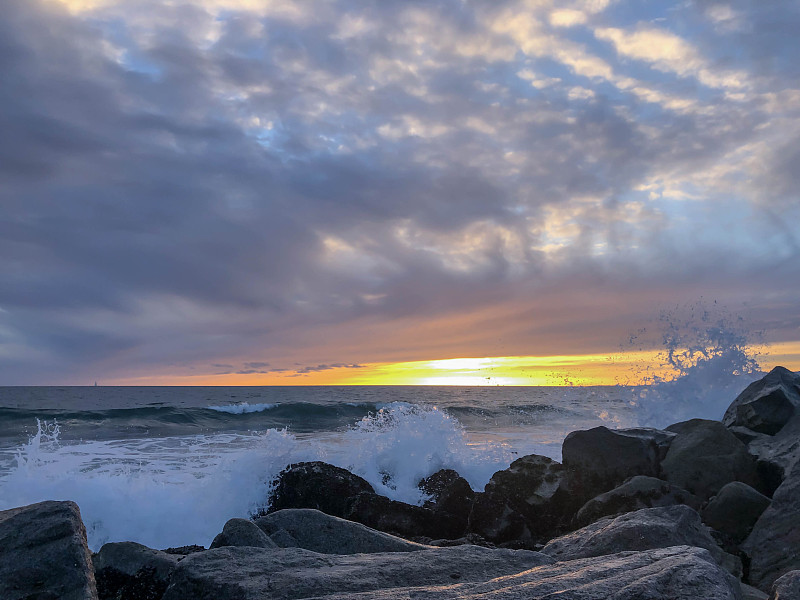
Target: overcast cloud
247, 186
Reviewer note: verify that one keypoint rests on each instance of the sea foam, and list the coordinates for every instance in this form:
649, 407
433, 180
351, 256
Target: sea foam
242, 408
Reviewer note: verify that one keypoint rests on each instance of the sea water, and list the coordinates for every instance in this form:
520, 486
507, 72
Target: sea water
168, 466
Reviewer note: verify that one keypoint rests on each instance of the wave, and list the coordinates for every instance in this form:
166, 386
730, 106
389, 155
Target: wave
242, 408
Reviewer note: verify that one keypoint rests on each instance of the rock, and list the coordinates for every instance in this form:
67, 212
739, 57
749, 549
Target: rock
679, 573
494, 519
766, 405
241, 532
314, 530
751, 593
774, 543
184, 550
316, 485
636, 493
734, 510
705, 456
399, 518
641, 530
130, 571
786, 587
600, 459
44, 555
449, 493
256, 573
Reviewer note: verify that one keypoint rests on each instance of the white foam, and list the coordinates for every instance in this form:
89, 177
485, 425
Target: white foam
176, 491
242, 408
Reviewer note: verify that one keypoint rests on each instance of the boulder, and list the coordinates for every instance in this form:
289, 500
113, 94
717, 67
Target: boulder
131, 571
734, 510
786, 587
256, 573
766, 405
774, 544
314, 530
644, 529
43, 553
399, 518
600, 459
450, 493
751, 593
316, 485
494, 519
242, 532
636, 493
679, 573
704, 456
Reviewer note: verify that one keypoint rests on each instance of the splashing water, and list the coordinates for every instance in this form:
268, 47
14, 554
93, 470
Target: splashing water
709, 360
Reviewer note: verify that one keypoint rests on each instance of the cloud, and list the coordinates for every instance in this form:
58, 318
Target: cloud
242, 184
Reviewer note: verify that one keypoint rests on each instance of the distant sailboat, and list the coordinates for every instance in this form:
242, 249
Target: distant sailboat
95, 384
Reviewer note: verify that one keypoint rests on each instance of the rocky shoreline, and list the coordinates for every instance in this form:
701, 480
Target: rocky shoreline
701, 509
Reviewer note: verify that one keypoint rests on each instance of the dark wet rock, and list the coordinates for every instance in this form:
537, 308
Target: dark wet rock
241, 532
641, 530
316, 485
494, 519
766, 405
256, 573
734, 510
679, 573
131, 571
770, 476
43, 553
449, 493
314, 530
636, 493
599, 459
786, 587
399, 518
184, 550
774, 543
705, 456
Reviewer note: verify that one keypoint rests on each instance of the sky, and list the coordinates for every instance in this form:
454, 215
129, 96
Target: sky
333, 191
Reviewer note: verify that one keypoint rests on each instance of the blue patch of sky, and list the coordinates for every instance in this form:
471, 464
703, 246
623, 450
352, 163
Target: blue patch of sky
117, 33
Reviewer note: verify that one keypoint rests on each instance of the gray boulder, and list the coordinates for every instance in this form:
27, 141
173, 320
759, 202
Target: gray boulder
399, 518
636, 493
44, 555
314, 530
679, 573
751, 593
316, 485
734, 510
641, 530
774, 543
256, 573
131, 571
600, 459
242, 532
786, 587
705, 456
766, 405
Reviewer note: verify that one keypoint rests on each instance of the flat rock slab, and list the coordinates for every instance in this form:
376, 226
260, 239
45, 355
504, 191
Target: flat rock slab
316, 531
641, 530
43, 554
256, 573
679, 573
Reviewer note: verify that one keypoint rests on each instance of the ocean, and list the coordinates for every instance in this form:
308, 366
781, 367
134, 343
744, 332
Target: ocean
168, 466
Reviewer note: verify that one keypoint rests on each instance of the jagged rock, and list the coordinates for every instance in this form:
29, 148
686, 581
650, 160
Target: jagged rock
316, 485
679, 573
44, 555
256, 573
786, 587
131, 571
641, 530
766, 405
449, 493
241, 532
705, 456
184, 550
399, 518
734, 510
636, 493
774, 543
600, 459
314, 530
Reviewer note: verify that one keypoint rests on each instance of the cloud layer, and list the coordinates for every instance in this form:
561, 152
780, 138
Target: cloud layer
249, 186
